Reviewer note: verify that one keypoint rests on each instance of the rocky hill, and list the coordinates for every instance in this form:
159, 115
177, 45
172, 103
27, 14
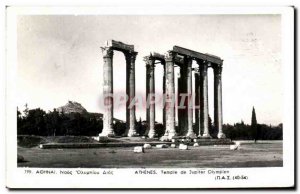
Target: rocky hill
75, 107
72, 107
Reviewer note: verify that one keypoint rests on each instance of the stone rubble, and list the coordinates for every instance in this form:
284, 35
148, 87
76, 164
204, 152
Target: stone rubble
138, 149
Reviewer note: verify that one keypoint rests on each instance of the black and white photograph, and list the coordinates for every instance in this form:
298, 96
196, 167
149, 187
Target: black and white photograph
106, 95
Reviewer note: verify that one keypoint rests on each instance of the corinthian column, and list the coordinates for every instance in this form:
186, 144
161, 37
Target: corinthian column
204, 97
164, 92
147, 92
197, 101
150, 95
218, 115
170, 97
182, 109
190, 132
130, 91
107, 92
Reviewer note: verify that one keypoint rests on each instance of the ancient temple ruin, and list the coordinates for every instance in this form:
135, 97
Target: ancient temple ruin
183, 58
130, 56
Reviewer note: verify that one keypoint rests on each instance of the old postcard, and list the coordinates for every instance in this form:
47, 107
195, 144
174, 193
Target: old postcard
154, 97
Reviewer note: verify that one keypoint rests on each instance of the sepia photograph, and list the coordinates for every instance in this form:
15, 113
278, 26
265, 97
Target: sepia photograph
157, 95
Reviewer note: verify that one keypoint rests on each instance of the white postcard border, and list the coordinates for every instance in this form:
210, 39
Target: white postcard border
126, 178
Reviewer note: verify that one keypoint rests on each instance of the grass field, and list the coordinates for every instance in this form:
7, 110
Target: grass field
261, 154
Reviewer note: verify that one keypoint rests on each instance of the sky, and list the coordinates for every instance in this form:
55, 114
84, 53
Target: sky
59, 59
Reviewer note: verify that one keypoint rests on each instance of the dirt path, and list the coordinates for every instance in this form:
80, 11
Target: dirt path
250, 155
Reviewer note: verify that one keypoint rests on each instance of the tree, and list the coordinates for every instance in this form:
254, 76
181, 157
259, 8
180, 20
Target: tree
26, 110
212, 129
18, 113
52, 123
140, 129
19, 122
119, 128
254, 125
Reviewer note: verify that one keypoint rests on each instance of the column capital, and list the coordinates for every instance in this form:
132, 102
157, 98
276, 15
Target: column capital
188, 60
130, 55
218, 69
170, 55
203, 66
202, 62
107, 52
149, 60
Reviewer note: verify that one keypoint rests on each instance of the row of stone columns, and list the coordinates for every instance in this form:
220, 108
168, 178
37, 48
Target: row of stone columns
185, 85
185, 116
130, 57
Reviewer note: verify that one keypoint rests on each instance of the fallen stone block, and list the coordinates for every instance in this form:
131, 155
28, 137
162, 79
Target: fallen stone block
161, 146
164, 138
147, 146
173, 145
103, 139
234, 147
196, 145
238, 143
183, 147
138, 149
95, 138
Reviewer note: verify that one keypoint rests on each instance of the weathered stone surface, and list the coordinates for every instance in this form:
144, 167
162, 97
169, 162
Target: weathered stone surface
147, 146
103, 139
107, 92
96, 138
195, 54
204, 96
169, 96
234, 147
165, 138
161, 146
196, 145
238, 143
183, 147
120, 46
130, 92
210, 141
138, 149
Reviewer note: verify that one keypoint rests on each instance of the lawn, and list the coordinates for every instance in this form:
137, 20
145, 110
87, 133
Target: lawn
262, 154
